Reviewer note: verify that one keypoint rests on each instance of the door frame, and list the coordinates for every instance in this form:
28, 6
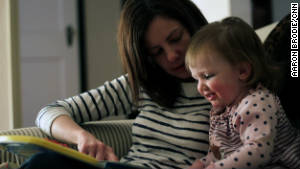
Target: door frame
82, 45
10, 100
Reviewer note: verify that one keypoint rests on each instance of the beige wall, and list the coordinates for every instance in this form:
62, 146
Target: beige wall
103, 62
9, 66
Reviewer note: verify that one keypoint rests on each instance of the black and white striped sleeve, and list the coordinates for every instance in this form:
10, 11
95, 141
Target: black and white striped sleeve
111, 99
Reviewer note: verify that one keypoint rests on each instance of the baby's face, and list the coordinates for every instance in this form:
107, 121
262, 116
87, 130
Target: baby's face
218, 81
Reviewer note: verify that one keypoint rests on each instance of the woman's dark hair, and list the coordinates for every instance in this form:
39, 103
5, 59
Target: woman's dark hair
236, 42
143, 71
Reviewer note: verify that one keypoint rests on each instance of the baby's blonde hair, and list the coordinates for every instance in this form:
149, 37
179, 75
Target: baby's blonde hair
235, 41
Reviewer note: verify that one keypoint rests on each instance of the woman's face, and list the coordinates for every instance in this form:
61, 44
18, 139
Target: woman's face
167, 41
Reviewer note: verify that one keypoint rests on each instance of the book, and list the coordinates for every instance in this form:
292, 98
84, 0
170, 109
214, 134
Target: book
26, 146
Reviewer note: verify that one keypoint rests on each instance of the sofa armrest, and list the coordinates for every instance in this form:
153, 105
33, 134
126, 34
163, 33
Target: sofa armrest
115, 133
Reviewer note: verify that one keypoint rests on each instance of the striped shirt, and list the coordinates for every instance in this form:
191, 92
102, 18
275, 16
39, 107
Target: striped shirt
162, 137
253, 134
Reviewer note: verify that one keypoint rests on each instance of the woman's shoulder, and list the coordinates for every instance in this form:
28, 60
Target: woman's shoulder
117, 85
121, 80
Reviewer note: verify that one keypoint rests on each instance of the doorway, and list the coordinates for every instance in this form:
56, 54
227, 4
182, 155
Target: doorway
49, 54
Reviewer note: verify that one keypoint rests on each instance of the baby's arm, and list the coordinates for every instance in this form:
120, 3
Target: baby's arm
255, 120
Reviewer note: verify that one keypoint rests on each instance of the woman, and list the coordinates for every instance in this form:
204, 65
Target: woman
171, 118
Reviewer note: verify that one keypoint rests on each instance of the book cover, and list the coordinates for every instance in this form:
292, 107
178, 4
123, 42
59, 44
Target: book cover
27, 146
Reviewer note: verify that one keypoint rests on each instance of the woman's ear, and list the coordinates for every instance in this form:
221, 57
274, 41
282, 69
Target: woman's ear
245, 70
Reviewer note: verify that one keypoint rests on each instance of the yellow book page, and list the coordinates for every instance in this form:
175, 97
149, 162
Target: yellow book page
29, 145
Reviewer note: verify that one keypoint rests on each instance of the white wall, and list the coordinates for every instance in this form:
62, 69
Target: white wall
242, 9
103, 61
49, 67
215, 10
9, 67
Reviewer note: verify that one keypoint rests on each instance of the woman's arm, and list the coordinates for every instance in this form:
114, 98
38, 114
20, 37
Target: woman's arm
64, 128
111, 99
61, 118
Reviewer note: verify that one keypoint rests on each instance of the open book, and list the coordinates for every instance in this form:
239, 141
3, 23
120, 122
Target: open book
27, 146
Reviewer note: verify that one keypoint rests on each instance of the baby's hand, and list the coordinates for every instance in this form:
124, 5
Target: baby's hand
197, 165
211, 166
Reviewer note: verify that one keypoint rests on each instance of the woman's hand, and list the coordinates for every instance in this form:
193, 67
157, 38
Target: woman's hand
65, 129
88, 144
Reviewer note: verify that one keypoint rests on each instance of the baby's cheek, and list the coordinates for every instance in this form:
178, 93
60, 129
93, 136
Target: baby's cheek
224, 91
218, 87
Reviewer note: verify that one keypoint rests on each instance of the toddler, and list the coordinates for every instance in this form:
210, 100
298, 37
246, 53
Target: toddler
248, 127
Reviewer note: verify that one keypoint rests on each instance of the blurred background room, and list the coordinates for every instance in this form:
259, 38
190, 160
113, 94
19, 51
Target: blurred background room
53, 49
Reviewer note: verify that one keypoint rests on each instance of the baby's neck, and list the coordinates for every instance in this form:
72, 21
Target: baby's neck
243, 93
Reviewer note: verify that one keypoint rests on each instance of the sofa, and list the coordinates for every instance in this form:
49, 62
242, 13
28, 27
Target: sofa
117, 133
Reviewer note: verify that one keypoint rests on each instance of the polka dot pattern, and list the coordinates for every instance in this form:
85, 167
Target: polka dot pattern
248, 128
